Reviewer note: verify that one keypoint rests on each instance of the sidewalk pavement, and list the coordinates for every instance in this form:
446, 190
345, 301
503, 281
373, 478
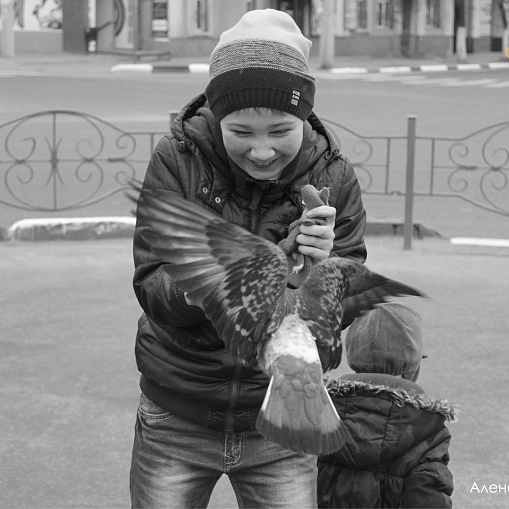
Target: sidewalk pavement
71, 64
69, 382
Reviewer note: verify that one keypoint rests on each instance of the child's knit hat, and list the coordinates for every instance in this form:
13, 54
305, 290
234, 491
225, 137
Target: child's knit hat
261, 62
387, 339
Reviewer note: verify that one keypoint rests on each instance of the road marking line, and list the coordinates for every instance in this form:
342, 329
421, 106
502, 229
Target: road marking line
426, 81
472, 241
499, 84
390, 77
13, 74
349, 70
329, 76
466, 83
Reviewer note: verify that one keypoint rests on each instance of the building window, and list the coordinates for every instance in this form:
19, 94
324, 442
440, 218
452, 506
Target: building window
362, 14
383, 14
356, 15
433, 13
201, 14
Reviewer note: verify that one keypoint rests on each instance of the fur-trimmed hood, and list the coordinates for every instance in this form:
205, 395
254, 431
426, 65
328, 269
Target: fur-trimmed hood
400, 396
384, 417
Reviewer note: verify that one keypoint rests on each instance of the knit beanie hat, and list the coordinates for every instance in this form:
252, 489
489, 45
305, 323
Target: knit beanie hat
261, 62
387, 339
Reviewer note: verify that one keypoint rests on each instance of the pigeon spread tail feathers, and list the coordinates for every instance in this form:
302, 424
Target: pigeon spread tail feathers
297, 412
293, 335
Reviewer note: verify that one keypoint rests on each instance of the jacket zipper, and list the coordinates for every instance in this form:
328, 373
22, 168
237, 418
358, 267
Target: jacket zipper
254, 210
234, 396
235, 380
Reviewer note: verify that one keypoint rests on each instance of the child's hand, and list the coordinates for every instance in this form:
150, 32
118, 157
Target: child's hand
317, 240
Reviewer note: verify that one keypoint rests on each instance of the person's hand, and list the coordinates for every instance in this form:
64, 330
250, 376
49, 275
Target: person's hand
317, 240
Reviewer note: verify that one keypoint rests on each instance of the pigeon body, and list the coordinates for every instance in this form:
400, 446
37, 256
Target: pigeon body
293, 335
297, 411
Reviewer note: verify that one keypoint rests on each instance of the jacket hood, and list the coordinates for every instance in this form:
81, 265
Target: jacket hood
196, 126
381, 421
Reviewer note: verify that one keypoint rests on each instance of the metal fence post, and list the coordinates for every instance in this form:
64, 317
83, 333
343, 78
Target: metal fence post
408, 227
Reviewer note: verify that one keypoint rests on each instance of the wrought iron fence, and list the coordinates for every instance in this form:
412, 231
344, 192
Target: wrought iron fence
55, 161
473, 168
60, 160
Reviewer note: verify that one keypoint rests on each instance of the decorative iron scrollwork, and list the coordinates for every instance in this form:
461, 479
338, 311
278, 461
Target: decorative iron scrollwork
370, 156
473, 168
62, 160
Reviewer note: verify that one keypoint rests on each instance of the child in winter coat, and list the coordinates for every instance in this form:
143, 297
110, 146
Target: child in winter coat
243, 151
395, 453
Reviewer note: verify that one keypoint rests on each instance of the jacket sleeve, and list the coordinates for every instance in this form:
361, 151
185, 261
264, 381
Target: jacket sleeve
156, 291
350, 215
430, 484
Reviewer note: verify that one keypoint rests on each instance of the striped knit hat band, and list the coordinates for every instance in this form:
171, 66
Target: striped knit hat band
261, 62
258, 53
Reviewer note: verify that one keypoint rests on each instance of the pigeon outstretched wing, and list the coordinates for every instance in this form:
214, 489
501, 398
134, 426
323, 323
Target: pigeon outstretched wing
365, 287
237, 278
338, 290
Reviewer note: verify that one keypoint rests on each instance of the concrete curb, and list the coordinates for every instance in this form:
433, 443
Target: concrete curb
97, 228
204, 68
84, 228
76, 228
161, 68
420, 68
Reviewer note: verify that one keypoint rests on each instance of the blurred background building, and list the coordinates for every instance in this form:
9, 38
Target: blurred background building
191, 28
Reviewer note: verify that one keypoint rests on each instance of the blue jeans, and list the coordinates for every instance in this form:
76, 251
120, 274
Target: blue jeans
176, 464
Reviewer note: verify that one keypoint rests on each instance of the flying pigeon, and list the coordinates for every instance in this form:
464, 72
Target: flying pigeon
293, 335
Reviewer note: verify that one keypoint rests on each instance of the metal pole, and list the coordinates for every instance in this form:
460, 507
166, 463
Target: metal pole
8, 46
461, 44
136, 31
327, 36
505, 43
408, 227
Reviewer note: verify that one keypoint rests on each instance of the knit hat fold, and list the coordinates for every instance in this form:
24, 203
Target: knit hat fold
261, 62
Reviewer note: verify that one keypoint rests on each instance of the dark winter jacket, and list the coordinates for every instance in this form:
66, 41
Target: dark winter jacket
185, 366
395, 451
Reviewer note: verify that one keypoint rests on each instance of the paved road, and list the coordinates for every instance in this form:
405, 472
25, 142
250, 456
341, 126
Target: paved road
492, 81
68, 381
373, 105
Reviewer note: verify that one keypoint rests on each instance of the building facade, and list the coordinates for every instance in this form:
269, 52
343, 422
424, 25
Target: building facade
191, 28
362, 27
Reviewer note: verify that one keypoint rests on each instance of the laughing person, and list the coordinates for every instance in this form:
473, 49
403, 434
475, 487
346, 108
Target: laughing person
243, 150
